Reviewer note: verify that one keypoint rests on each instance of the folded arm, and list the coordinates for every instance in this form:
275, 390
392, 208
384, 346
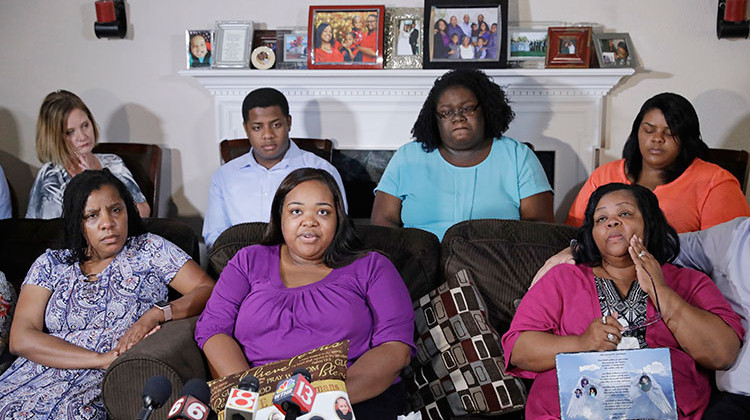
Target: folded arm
194, 285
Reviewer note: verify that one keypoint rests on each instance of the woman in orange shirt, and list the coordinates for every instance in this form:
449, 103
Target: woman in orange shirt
325, 49
664, 153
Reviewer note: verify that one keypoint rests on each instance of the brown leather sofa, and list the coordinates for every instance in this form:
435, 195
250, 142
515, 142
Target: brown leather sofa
502, 257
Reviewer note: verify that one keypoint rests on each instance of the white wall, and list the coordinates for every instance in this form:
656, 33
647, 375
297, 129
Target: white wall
135, 93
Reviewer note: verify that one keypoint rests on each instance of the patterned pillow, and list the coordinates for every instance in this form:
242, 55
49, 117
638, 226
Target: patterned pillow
459, 368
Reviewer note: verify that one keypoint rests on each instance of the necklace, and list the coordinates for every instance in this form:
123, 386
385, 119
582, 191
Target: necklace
91, 277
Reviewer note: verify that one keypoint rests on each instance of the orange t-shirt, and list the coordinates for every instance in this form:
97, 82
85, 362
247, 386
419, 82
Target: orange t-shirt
369, 40
703, 196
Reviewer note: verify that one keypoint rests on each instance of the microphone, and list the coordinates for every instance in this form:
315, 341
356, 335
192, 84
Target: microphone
193, 402
155, 393
242, 403
295, 396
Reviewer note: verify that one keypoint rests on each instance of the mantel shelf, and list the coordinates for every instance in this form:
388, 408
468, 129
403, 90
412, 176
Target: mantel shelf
545, 82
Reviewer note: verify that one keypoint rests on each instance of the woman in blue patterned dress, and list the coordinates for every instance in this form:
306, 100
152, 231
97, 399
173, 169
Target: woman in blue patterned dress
96, 298
66, 134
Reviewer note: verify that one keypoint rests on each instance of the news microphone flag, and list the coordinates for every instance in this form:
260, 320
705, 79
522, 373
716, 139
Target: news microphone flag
295, 395
193, 402
242, 403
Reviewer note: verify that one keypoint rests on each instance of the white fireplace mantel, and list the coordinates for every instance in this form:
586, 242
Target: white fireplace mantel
556, 109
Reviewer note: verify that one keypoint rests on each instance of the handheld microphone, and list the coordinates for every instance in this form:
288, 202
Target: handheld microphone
242, 403
295, 396
155, 393
193, 402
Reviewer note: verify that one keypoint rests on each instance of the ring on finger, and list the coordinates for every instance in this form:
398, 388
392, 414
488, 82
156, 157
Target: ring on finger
642, 253
610, 337
604, 319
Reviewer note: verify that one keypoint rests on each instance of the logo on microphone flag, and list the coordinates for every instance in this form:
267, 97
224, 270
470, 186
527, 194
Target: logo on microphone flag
241, 399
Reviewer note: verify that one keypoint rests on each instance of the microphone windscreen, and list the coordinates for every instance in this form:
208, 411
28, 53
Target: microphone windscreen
304, 372
198, 388
158, 389
249, 383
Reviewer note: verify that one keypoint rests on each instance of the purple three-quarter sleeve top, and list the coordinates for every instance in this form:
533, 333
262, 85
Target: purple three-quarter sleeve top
365, 302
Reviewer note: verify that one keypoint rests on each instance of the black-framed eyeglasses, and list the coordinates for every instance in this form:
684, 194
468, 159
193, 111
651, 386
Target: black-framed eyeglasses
648, 321
465, 111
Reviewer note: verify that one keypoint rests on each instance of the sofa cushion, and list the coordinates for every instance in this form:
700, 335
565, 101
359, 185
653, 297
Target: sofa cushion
414, 252
502, 257
459, 368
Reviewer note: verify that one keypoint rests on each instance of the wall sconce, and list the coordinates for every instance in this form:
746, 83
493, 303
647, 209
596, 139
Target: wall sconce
731, 21
110, 19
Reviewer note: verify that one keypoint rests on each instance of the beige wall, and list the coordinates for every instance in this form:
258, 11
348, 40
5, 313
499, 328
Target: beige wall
135, 93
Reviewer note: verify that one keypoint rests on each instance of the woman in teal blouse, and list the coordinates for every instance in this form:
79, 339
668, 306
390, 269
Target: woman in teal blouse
460, 166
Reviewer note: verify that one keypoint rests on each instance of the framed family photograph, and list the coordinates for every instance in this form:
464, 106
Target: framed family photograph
403, 37
348, 37
198, 46
527, 44
614, 50
568, 47
470, 33
233, 44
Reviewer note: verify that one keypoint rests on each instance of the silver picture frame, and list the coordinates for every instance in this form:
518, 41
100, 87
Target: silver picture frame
614, 50
396, 20
233, 40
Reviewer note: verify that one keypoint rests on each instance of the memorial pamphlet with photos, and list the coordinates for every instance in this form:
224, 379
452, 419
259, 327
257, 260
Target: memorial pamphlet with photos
621, 384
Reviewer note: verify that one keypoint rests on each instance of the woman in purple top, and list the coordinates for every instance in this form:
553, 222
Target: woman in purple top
308, 285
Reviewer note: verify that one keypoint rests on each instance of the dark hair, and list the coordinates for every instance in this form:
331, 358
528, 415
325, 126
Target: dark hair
264, 98
683, 123
659, 236
319, 33
346, 245
77, 193
492, 100
485, 25
437, 24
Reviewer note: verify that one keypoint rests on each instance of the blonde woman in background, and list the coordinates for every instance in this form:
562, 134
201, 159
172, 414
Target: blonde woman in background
66, 134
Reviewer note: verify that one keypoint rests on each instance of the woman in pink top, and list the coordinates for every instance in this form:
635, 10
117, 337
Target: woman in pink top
623, 290
664, 154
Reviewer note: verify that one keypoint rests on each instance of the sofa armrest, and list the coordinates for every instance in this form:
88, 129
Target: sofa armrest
170, 352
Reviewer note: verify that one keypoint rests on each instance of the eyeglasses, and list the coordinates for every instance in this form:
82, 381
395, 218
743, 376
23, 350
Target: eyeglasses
465, 111
648, 321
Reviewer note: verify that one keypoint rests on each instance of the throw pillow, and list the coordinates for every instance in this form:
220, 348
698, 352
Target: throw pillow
327, 366
459, 368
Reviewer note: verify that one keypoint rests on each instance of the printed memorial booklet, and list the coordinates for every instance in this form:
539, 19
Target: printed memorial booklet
620, 384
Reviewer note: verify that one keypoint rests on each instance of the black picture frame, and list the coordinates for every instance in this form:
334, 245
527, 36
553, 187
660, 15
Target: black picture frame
436, 10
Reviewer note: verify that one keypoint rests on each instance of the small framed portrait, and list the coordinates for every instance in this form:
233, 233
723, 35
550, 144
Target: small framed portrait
568, 46
232, 44
403, 37
469, 33
295, 47
614, 50
527, 44
198, 46
345, 37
